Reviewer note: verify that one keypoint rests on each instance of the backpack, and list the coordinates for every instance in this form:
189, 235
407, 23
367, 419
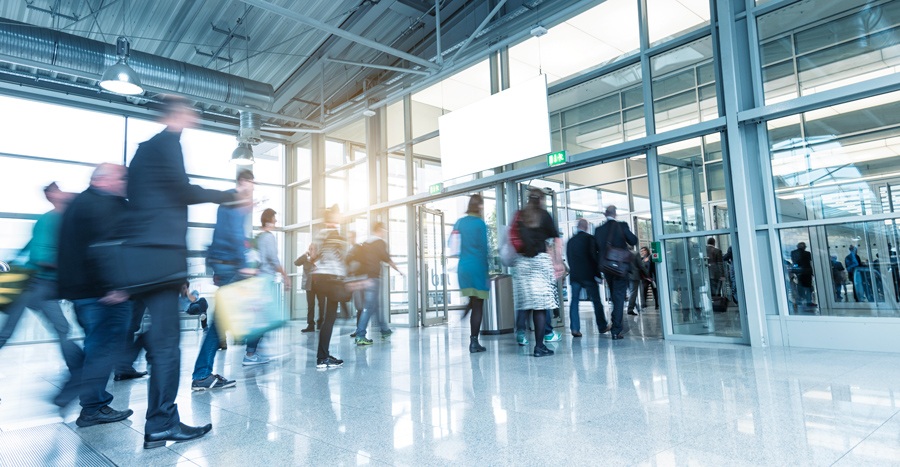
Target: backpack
514, 236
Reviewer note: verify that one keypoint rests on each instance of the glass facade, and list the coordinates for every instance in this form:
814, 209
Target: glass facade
83, 138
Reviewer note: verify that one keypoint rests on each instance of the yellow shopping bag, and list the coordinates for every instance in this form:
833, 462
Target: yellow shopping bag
248, 308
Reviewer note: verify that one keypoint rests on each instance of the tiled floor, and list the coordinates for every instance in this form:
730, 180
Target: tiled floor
422, 399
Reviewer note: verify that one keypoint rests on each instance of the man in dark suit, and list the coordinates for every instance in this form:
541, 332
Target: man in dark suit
581, 252
616, 234
159, 193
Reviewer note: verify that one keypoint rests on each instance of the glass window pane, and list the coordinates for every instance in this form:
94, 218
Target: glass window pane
669, 19
25, 195
701, 287
359, 186
394, 119
208, 154
396, 167
14, 234
268, 164
602, 34
304, 203
57, 132
334, 154
833, 162
689, 187
466, 87
304, 161
809, 47
678, 98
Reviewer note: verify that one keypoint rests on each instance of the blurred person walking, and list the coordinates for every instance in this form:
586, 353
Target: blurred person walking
581, 252
306, 263
41, 292
374, 253
104, 314
538, 268
472, 271
649, 281
159, 193
636, 277
226, 257
269, 266
329, 253
615, 234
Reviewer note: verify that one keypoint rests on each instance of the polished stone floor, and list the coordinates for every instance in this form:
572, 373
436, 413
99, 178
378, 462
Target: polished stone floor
422, 399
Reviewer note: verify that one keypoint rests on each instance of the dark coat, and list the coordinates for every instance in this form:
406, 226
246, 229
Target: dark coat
91, 217
159, 193
625, 239
581, 253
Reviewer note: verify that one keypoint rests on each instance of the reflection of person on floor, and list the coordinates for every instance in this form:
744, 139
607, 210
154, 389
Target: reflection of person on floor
802, 261
839, 278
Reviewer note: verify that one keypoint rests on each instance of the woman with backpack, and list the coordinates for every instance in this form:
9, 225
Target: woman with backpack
538, 268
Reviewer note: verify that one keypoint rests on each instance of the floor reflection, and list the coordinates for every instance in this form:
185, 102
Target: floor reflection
422, 399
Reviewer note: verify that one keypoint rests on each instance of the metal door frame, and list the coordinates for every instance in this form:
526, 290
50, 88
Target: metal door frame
424, 276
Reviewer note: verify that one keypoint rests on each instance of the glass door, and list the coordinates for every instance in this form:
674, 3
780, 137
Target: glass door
432, 267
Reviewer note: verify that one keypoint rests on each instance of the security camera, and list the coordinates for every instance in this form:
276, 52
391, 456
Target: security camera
369, 113
538, 31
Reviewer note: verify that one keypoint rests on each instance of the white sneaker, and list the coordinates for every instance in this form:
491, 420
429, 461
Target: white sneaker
256, 359
553, 337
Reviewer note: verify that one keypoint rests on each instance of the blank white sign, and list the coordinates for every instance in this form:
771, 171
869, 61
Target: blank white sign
508, 127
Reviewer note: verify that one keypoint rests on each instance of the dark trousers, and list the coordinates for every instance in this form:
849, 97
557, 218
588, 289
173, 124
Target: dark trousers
648, 285
635, 289
319, 293
311, 308
134, 342
617, 290
593, 293
323, 286
164, 355
104, 338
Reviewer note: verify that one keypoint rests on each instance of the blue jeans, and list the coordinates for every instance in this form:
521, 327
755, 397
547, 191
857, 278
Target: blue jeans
372, 309
223, 274
105, 327
617, 289
593, 293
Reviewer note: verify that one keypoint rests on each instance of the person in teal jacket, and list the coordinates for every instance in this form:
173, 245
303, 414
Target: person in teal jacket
473, 265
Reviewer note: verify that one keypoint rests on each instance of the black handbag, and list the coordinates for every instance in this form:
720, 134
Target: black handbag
616, 263
139, 268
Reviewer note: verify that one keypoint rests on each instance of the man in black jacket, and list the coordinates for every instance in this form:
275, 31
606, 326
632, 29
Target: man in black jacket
103, 314
581, 252
159, 193
616, 234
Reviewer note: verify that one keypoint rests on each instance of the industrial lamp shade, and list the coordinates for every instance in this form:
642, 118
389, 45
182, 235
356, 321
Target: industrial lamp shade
121, 79
242, 155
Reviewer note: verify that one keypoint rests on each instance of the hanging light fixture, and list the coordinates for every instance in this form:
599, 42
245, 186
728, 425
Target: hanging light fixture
121, 78
243, 154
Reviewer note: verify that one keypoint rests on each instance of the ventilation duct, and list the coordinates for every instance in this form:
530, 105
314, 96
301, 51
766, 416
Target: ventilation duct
33, 46
251, 123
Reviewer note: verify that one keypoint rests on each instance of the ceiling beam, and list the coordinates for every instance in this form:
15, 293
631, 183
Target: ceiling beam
300, 18
380, 67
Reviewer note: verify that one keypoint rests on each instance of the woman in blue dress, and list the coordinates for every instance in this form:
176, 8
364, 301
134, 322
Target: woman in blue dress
473, 265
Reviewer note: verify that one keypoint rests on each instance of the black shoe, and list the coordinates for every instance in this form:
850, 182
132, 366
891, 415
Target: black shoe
632, 313
308, 329
605, 330
129, 375
616, 337
106, 414
328, 362
178, 433
542, 351
474, 346
353, 334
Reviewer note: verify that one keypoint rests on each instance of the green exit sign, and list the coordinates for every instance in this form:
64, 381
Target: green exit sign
436, 188
557, 158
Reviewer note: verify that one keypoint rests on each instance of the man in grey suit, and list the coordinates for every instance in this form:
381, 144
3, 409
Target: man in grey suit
616, 234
